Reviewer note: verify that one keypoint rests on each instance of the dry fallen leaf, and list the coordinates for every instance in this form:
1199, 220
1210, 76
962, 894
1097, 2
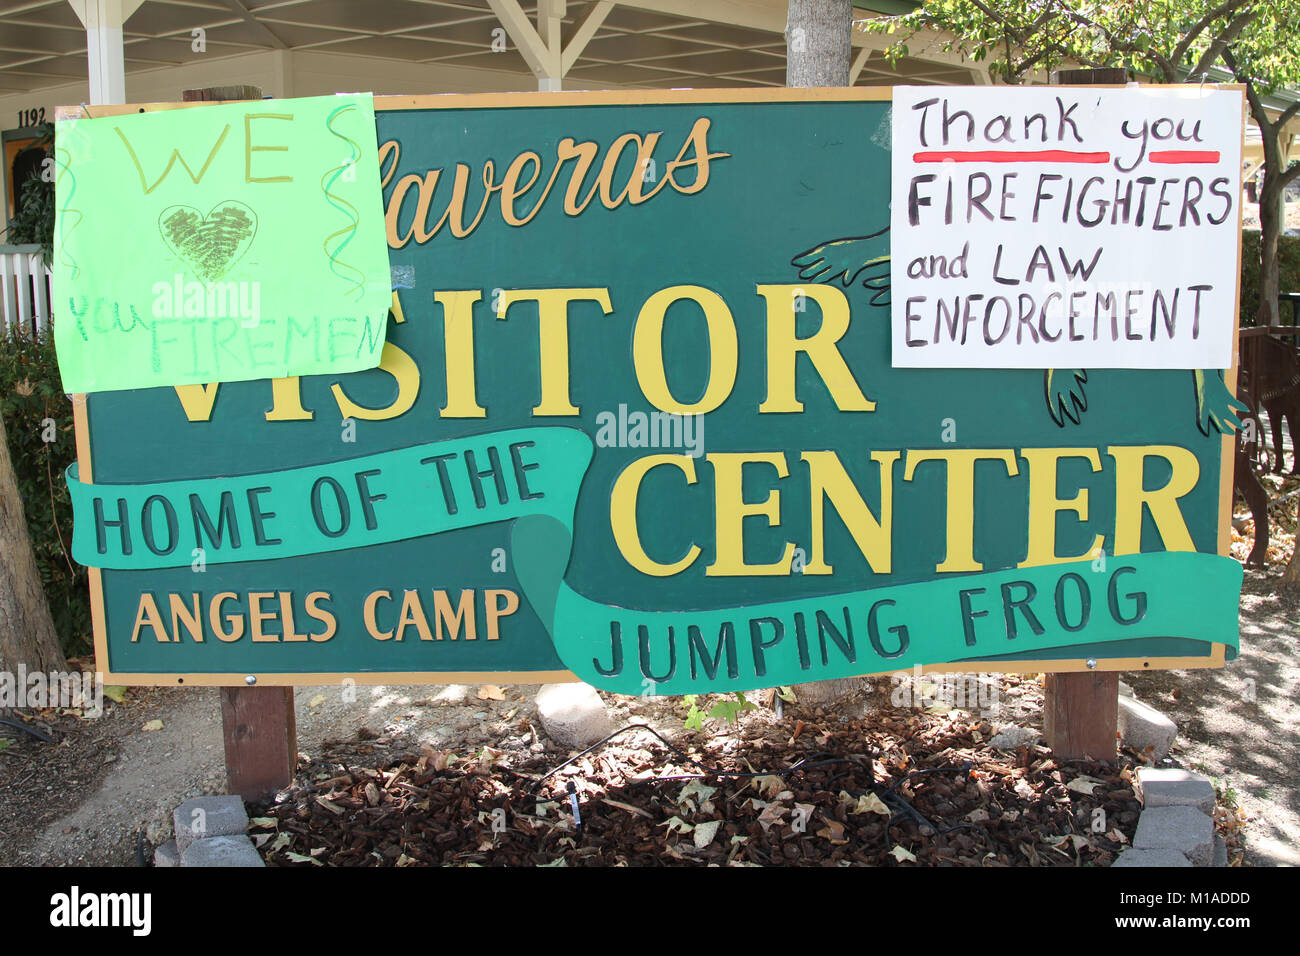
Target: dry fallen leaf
438, 759
153, 725
870, 803
833, 831
772, 813
1084, 784
316, 701
695, 795
902, 855
705, 832
677, 825
491, 692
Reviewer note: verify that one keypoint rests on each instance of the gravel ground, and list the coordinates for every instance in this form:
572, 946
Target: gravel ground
1241, 726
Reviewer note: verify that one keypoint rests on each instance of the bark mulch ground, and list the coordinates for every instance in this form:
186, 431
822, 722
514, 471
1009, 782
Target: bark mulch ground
898, 787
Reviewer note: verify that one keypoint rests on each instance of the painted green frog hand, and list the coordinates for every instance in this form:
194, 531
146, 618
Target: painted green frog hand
848, 260
1215, 406
1065, 395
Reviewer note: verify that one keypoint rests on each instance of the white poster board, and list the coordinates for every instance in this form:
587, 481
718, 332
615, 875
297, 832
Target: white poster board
1065, 227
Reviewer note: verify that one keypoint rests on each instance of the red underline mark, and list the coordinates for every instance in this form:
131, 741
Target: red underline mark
1012, 156
1185, 156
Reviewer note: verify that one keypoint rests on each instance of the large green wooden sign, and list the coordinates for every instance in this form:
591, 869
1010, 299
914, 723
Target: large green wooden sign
636, 421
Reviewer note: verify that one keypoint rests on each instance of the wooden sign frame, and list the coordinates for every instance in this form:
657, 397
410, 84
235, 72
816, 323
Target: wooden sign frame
491, 101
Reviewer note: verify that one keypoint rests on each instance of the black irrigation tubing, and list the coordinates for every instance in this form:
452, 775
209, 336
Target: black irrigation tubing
19, 725
894, 799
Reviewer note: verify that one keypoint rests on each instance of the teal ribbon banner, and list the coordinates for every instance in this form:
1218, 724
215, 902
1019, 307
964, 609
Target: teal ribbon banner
532, 475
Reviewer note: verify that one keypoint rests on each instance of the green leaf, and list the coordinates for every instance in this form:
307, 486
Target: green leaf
695, 719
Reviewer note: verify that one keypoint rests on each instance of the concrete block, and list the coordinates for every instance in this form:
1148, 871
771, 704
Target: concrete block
209, 816
1220, 857
1185, 829
222, 851
1135, 857
573, 715
167, 855
1142, 726
1175, 788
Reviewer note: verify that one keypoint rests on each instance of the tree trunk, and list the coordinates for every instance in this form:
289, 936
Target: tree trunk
27, 633
819, 52
818, 42
1271, 211
1270, 229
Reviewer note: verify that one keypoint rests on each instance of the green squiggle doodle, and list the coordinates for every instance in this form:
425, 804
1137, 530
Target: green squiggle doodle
65, 211
345, 207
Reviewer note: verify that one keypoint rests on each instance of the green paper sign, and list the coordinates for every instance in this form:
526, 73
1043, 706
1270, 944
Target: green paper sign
219, 243
636, 422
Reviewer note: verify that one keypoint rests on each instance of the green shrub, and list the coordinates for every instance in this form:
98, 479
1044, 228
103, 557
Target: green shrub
1289, 279
34, 410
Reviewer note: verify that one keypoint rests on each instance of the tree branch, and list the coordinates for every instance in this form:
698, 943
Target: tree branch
998, 19
1220, 43
1257, 110
1287, 115
1119, 45
1222, 10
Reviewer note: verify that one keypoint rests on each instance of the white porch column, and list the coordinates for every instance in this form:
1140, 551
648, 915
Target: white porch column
103, 20
550, 16
542, 47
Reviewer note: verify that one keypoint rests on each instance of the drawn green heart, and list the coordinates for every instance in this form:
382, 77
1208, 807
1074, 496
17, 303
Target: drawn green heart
209, 244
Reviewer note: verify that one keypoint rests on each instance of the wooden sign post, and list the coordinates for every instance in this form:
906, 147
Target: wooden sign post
260, 736
1081, 710
258, 727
